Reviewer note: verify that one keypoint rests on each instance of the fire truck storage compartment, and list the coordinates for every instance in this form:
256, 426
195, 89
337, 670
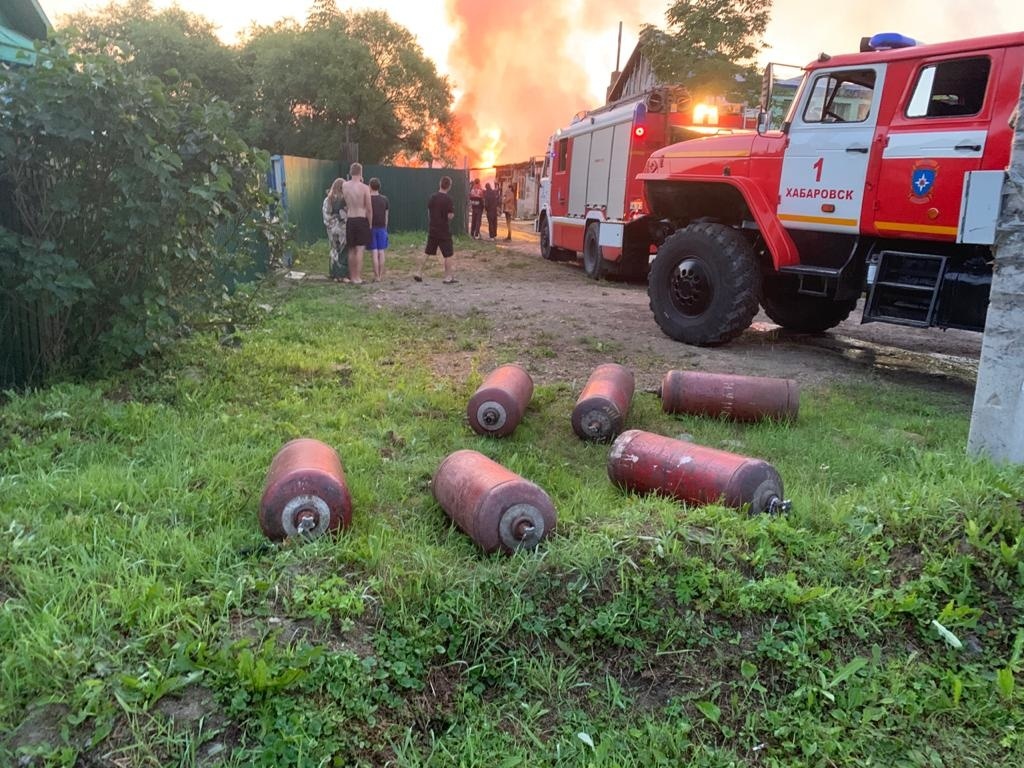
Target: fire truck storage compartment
963, 301
578, 174
598, 173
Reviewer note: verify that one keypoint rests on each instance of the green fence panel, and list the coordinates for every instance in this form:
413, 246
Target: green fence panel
408, 190
306, 182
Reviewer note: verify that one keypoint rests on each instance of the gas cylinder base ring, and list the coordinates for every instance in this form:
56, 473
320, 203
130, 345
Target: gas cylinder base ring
521, 527
306, 515
491, 415
596, 424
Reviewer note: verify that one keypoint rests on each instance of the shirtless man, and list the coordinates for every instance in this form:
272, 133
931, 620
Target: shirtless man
357, 228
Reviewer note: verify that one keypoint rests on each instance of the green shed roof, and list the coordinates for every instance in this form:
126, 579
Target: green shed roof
11, 43
21, 22
26, 17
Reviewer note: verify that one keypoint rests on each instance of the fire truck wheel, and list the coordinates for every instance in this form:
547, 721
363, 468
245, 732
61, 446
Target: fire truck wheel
549, 251
805, 314
704, 284
593, 262
545, 241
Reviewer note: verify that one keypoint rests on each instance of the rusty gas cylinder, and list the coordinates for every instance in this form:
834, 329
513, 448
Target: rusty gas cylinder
497, 407
740, 398
305, 493
603, 404
644, 462
494, 506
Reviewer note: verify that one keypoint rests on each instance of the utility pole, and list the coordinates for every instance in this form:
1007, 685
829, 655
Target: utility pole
997, 420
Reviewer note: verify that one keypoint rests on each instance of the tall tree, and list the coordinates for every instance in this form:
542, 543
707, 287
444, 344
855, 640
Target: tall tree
171, 44
363, 79
709, 46
323, 13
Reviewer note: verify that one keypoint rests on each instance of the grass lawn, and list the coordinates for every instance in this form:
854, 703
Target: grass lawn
145, 621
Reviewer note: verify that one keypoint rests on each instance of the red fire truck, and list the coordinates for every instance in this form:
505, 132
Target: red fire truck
884, 178
591, 201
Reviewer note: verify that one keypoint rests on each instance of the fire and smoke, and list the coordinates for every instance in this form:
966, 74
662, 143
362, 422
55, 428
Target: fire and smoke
521, 72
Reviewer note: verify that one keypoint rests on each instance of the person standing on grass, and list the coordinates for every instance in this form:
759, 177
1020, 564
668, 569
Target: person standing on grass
491, 206
357, 227
476, 208
440, 212
334, 220
378, 228
508, 205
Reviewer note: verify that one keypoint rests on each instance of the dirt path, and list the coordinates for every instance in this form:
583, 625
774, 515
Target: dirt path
562, 324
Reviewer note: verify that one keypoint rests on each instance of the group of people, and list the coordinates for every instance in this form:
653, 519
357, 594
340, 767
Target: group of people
356, 217
485, 200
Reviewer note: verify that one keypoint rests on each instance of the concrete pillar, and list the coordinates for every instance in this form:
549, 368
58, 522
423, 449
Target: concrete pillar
997, 420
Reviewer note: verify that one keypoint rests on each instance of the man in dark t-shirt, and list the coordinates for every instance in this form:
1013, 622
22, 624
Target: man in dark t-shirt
440, 211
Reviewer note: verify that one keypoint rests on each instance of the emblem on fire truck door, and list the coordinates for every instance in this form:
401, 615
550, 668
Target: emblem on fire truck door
922, 180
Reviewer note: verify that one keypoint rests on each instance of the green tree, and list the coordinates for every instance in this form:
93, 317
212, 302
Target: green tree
323, 13
709, 46
362, 79
172, 44
134, 205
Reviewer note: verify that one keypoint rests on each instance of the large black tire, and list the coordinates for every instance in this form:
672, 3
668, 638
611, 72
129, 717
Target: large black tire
546, 251
795, 312
593, 261
704, 284
549, 251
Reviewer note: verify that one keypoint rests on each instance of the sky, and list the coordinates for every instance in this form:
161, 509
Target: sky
522, 68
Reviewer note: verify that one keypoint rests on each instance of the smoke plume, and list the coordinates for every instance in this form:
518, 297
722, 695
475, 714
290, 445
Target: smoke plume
521, 72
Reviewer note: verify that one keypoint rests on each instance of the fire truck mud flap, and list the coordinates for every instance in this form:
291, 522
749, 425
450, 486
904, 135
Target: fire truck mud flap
704, 284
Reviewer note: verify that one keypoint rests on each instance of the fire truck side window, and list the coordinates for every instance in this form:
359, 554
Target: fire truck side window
950, 89
563, 154
841, 97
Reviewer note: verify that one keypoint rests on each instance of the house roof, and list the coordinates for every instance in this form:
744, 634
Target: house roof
615, 92
11, 43
21, 22
25, 17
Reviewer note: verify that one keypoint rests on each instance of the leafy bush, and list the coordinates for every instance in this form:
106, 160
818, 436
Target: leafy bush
133, 206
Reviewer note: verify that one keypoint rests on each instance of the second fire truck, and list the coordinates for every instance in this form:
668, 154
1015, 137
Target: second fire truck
591, 202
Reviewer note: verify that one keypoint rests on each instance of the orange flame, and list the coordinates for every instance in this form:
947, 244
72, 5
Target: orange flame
521, 71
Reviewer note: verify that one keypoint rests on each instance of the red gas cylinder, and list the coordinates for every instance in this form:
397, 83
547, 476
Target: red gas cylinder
497, 407
305, 493
647, 463
603, 403
494, 506
740, 398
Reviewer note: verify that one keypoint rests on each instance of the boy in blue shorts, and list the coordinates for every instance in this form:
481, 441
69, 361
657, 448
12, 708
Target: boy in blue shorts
378, 228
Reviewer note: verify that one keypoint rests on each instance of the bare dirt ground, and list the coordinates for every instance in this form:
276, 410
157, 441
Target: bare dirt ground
552, 317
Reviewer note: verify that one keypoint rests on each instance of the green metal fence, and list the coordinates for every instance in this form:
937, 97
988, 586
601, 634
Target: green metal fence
303, 182
24, 330
28, 340
408, 190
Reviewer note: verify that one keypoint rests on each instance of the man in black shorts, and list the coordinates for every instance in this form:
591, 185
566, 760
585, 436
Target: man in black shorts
440, 211
357, 228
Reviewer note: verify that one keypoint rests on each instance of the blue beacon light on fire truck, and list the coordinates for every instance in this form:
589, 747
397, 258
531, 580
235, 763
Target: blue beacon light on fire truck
886, 41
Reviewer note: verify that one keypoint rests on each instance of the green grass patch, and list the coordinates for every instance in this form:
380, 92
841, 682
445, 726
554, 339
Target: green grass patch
136, 588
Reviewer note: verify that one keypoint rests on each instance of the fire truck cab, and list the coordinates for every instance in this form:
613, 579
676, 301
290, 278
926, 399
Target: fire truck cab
885, 177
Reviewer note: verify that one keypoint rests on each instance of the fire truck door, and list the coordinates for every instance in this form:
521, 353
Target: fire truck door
935, 138
829, 145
